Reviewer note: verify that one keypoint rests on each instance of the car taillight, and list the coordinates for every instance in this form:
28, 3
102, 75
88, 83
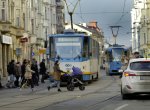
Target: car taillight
129, 74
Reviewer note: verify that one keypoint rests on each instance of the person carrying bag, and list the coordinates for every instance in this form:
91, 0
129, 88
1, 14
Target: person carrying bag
28, 75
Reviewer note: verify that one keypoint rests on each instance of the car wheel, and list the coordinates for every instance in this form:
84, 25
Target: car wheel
124, 96
82, 87
70, 87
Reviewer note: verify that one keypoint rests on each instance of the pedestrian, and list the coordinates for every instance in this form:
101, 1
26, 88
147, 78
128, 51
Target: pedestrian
17, 73
43, 70
137, 55
28, 74
23, 67
56, 76
35, 75
124, 61
11, 74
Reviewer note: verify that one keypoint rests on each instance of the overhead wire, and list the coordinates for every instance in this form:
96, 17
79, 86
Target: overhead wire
124, 5
81, 12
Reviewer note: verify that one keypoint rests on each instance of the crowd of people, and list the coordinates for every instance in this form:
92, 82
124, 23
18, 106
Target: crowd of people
28, 72
25, 72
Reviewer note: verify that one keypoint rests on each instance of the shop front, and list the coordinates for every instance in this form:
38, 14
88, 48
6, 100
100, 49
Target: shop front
5, 53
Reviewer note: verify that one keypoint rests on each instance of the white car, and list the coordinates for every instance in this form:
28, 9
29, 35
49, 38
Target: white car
136, 78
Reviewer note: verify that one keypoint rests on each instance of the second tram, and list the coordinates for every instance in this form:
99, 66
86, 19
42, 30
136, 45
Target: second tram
113, 58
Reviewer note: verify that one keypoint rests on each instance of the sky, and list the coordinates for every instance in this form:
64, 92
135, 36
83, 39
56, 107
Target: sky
107, 13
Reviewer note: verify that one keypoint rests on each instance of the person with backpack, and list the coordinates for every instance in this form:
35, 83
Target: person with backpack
11, 74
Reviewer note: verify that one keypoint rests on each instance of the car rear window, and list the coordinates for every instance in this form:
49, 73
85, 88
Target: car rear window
140, 66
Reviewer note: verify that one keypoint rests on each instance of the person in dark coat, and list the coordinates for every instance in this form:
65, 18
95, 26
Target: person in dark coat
35, 75
23, 67
11, 73
18, 73
137, 55
43, 70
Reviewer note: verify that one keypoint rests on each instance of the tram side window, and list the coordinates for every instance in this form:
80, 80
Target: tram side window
85, 47
52, 47
109, 57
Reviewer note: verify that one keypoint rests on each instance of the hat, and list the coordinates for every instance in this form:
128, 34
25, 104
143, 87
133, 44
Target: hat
56, 62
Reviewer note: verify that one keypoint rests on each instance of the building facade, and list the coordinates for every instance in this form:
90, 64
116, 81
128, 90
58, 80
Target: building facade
60, 16
140, 16
24, 29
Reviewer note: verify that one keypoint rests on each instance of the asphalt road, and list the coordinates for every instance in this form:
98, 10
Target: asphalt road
103, 94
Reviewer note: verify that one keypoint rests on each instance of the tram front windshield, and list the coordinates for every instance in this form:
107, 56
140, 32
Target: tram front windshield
117, 53
68, 47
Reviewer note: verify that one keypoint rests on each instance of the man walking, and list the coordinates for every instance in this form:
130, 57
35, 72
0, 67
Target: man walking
56, 76
43, 70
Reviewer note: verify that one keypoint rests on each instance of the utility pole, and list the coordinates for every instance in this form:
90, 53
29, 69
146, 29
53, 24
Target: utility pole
71, 13
115, 34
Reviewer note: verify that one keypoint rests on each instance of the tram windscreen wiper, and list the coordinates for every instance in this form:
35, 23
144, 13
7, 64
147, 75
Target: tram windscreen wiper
78, 56
59, 57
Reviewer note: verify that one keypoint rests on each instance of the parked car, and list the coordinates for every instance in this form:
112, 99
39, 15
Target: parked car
136, 78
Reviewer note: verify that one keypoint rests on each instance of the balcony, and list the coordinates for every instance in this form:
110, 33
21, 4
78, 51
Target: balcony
17, 31
5, 27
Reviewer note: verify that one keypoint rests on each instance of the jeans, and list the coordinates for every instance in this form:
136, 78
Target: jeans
56, 82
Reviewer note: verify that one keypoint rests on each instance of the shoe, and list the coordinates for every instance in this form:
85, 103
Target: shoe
59, 90
32, 89
20, 89
42, 82
48, 88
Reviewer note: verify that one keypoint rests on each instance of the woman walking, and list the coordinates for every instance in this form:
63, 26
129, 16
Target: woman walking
28, 75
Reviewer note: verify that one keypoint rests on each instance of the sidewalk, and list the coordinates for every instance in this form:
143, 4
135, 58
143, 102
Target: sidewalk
3, 81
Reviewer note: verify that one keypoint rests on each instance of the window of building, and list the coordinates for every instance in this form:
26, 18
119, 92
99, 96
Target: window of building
57, 0
144, 38
24, 23
3, 5
32, 3
18, 17
32, 25
3, 14
45, 13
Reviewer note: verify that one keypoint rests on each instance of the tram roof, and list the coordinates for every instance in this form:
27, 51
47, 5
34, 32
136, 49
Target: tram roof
67, 35
112, 47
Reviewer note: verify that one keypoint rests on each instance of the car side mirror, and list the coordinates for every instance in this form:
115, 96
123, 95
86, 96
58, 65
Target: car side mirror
120, 71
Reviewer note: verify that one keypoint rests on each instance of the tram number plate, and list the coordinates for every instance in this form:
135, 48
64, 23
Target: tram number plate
144, 77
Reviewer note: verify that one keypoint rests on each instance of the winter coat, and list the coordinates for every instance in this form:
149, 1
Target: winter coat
18, 70
28, 72
11, 68
57, 72
42, 68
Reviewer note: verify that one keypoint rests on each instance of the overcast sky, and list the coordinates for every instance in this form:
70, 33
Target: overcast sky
107, 13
